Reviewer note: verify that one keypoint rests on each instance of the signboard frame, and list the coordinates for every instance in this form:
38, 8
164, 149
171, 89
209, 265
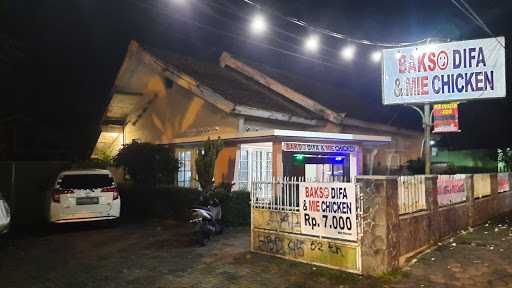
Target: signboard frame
500, 41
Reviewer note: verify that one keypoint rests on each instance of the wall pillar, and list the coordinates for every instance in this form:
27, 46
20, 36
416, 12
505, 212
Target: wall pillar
494, 194
380, 243
432, 206
470, 194
277, 158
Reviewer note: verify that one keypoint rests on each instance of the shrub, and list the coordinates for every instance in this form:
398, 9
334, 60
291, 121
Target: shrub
139, 201
180, 201
148, 164
236, 209
143, 201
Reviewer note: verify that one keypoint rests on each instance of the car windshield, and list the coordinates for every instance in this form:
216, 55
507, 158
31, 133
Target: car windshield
86, 181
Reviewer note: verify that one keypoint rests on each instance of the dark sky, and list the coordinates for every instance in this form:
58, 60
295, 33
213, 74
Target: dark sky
72, 51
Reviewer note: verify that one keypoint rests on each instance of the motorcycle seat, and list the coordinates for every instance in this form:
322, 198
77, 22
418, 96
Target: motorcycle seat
200, 207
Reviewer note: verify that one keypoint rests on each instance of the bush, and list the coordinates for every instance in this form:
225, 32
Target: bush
142, 201
236, 209
138, 201
180, 201
148, 164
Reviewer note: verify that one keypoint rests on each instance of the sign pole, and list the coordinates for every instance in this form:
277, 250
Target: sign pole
426, 119
427, 125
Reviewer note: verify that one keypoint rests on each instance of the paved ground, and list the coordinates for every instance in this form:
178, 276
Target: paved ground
480, 257
161, 254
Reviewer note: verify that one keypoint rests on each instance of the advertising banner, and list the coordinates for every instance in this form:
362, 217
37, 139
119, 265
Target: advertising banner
503, 182
450, 189
446, 117
328, 210
465, 70
314, 147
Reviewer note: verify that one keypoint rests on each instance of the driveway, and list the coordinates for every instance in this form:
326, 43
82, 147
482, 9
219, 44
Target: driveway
150, 254
160, 253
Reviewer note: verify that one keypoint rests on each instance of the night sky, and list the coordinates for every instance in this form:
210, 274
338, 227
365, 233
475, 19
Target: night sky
66, 55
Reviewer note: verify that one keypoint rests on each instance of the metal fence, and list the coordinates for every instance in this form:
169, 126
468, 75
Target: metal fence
411, 194
279, 193
482, 185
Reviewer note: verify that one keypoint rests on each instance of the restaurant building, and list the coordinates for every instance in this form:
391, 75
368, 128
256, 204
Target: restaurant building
268, 128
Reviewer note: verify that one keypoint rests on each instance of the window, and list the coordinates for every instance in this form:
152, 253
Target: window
243, 171
255, 165
185, 170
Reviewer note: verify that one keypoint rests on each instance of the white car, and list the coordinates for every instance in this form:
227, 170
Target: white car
5, 215
84, 195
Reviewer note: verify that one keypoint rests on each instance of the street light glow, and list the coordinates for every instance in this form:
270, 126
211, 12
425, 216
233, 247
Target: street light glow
348, 52
312, 43
258, 24
376, 56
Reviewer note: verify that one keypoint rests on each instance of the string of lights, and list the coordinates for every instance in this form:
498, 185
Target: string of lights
331, 33
259, 27
166, 12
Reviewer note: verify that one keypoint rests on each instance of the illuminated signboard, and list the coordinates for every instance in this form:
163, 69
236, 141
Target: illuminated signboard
315, 147
464, 70
446, 117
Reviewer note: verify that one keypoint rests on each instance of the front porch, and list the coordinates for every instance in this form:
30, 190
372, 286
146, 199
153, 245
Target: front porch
264, 155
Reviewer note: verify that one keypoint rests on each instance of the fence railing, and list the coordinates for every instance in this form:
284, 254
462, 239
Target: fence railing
276, 194
411, 194
482, 185
451, 189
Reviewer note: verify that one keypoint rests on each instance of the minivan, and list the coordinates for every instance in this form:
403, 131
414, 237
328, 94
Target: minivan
84, 195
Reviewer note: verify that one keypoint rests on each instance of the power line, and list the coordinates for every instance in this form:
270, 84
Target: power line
238, 37
334, 34
475, 18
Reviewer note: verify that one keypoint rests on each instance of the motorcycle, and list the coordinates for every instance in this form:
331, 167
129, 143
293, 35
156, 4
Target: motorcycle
207, 221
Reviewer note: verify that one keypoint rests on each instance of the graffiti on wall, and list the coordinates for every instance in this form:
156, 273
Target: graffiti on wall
322, 251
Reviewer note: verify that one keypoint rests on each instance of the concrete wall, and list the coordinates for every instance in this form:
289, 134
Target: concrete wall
388, 240
225, 165
175, 112
277, 233
420, 230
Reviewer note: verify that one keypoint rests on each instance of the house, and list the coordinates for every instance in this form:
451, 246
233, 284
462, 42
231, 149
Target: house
269, 129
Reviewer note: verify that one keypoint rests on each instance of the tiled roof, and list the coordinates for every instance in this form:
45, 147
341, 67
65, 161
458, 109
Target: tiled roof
232, 85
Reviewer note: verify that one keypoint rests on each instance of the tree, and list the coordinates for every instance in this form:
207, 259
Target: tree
147, 163
205, 163
504, 160
416, 166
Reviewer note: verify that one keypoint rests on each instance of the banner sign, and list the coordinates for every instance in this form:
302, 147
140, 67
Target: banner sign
450, 189
503, 182
446, 117
313, 147
464, 70
328, 210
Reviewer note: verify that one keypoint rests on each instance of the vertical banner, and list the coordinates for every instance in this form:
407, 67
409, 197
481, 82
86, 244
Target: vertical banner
446, 117
328, 210
450, 189
503, 182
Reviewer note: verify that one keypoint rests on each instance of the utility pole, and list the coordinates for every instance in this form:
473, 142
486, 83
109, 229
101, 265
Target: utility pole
426, 117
